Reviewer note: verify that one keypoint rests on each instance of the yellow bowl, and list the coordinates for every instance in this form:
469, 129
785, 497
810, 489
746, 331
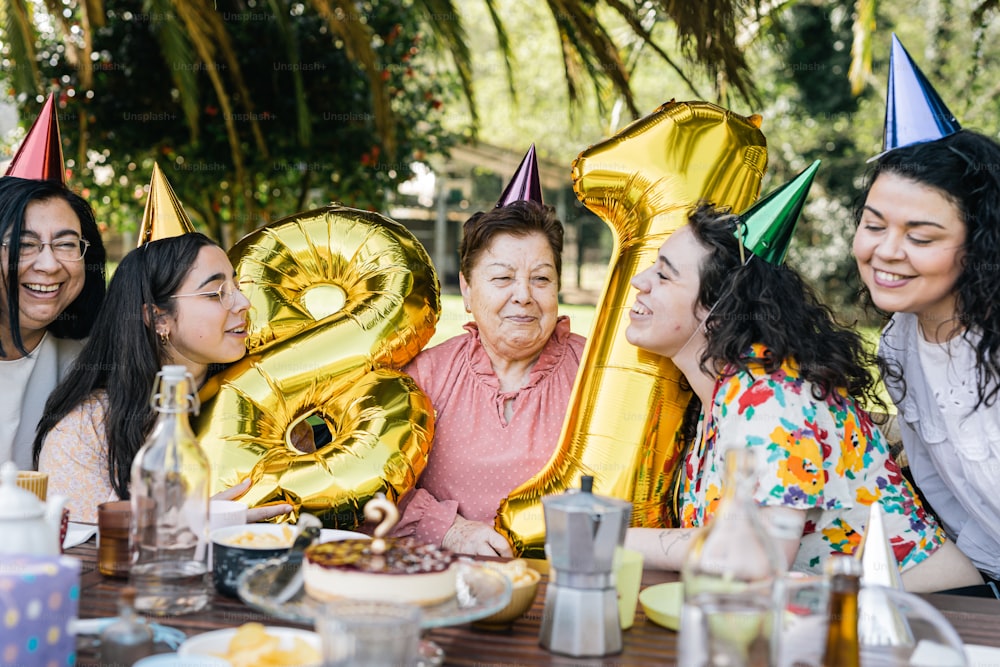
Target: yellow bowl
521, 599
662, 604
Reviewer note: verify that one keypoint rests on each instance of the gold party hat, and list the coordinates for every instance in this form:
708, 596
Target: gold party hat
164, 215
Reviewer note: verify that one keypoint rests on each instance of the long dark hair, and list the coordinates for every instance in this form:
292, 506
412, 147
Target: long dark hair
78, 317
758, 302
123, 353
965, 168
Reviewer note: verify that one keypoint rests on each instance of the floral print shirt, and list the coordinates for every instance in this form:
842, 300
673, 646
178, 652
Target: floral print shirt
821, 456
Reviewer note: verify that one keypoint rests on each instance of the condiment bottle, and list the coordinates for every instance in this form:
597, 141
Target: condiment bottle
732, 579
842, 646
127, 639
170, 500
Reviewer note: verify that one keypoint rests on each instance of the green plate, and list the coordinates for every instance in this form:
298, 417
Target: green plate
662, 604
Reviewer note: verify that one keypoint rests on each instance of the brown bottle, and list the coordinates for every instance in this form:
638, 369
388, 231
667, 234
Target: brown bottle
842, 646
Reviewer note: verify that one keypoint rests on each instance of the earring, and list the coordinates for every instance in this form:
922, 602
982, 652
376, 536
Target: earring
164, 338
467, 309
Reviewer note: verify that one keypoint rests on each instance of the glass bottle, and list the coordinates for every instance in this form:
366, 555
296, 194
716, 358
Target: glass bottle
129, 638
732, 579
843, 648
170, 501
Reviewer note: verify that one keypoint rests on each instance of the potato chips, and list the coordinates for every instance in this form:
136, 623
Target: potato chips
252, 646
257, 540
516, 570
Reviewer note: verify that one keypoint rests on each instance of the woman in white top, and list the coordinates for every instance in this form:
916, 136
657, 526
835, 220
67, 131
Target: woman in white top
51, 286
928, 249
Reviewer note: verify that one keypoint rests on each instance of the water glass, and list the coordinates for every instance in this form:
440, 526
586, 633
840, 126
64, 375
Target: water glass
801, 634
374, 634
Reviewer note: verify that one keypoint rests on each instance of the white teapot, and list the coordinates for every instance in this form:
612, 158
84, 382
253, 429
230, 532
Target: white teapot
28, 525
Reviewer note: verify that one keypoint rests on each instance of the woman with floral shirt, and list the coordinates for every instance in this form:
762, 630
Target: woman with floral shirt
772, 371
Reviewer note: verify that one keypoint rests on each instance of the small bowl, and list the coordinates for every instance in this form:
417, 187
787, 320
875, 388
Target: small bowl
216, 643
521, 599
229, 561
662, 604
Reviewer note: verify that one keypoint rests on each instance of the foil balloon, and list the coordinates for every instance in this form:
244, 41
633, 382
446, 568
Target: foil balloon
627, 404
339, 299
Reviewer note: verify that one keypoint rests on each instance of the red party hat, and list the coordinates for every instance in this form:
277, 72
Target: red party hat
524, 185
40, 155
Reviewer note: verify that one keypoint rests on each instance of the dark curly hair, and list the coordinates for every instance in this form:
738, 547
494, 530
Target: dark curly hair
16, 194
759, 303
518, 218
123, 354
965, 168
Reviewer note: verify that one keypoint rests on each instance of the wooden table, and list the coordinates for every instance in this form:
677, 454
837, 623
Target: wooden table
977, 621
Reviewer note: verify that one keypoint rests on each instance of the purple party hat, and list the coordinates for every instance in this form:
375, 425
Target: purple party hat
914, 112
524, 185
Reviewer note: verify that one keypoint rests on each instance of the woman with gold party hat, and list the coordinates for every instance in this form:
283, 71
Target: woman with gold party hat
773, 372
173, 300
51, 282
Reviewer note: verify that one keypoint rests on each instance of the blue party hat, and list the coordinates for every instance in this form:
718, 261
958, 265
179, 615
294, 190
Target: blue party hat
914, 112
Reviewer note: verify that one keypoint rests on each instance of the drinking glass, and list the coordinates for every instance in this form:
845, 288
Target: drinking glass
804, 619
375, 634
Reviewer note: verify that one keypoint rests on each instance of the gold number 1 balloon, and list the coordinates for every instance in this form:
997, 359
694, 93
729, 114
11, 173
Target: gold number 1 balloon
627, 404
338, 299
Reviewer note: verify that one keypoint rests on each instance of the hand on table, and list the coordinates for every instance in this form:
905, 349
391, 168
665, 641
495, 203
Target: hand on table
254, 514
475, 538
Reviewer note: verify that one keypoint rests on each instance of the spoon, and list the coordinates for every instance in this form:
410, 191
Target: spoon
288, 580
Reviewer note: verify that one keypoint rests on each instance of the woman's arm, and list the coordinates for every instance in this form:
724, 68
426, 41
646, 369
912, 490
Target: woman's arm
666, 548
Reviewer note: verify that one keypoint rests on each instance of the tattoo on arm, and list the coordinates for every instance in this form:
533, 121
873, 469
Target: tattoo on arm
666, 543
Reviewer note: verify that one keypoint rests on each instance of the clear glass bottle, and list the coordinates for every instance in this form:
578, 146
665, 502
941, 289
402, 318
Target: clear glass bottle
843, 648
127, 639
732, 580
170, 500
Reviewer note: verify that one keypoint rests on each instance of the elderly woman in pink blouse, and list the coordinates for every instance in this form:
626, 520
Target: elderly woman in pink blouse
500, 389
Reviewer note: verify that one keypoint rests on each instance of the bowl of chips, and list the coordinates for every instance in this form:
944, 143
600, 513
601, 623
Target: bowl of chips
257, 645
235, 549
524, 584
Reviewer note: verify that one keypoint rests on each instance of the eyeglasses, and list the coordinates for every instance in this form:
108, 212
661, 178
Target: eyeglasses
66, 250
226, 293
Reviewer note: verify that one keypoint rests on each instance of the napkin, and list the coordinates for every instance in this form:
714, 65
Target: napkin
78, 533
172, 637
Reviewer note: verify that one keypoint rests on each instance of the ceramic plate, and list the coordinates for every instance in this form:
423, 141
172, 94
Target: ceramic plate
481, 592
982, 656
662, 604
216, 643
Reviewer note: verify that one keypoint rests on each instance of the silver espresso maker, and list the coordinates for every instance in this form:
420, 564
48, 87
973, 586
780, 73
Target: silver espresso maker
581, 602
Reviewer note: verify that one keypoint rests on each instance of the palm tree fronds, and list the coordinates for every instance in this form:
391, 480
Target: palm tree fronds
291, 41
358, 44
861, 48
635, 23
708, 29
19, 34
504, 43
443, 19
176, 49
583, 33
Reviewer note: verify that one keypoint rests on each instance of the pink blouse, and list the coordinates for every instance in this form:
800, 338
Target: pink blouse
477, 459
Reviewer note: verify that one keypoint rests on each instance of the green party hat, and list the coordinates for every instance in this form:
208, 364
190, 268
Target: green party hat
766, 228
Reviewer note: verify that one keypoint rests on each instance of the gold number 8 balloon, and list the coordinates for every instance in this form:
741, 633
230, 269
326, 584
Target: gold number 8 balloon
627, 404
339, 299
